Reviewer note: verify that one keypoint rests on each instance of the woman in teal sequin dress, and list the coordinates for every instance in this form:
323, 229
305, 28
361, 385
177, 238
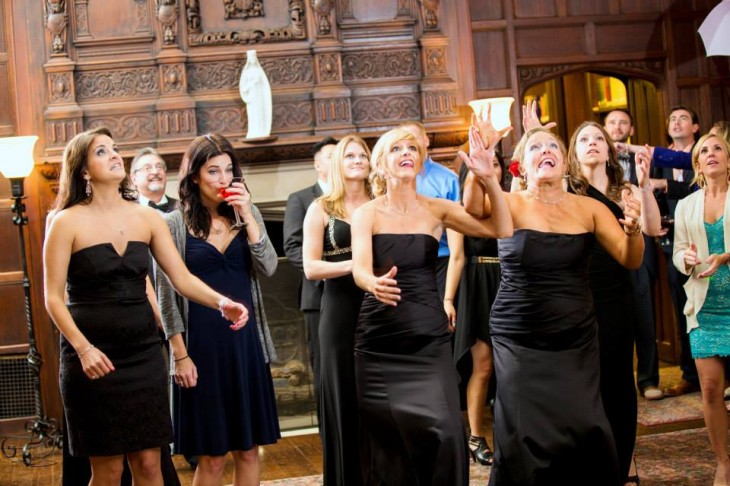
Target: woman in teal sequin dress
702, 251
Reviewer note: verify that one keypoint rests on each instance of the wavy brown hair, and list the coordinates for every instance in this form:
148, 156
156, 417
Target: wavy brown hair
72, 185
614, 171
201, 149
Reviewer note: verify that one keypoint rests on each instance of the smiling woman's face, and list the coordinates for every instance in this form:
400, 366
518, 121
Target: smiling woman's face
544, 159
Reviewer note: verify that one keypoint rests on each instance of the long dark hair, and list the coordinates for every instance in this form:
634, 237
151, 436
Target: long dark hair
195, 214
72, 185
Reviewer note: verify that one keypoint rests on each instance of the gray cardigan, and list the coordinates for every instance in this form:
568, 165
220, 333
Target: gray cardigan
174, 308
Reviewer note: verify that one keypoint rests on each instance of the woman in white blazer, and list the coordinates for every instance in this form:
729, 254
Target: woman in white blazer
702, 251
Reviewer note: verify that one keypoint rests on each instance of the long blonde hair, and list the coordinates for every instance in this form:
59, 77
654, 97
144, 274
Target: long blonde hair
699, 178
380, 153
614, 171
333, 201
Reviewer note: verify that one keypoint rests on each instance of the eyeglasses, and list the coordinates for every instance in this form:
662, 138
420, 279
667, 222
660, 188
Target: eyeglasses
148, 169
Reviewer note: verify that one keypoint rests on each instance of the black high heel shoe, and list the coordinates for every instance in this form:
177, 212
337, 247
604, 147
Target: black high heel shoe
479, 450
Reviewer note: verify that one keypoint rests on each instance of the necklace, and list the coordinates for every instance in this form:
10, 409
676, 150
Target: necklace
557, 201
217, 231
396, 210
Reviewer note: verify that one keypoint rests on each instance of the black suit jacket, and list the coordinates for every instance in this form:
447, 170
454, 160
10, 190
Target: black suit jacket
310, 292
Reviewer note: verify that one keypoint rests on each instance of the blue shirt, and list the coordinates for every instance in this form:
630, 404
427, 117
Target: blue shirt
435, 180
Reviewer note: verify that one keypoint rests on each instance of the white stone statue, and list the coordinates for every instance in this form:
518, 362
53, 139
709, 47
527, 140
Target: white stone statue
256, 93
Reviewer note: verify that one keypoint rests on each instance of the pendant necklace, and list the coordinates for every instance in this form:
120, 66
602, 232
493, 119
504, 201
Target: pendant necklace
396, 210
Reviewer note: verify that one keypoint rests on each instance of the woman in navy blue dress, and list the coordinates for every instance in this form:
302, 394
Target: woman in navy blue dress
327, 255
226, 401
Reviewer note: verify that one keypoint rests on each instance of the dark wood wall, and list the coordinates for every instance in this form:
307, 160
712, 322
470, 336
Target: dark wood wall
160, 72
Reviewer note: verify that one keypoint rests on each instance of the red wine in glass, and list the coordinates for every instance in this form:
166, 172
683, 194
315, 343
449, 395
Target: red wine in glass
224, 193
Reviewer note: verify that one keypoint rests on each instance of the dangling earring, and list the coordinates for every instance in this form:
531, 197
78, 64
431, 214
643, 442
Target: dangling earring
88, 188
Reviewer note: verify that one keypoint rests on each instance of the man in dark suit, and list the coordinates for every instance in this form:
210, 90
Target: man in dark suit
619, 124
310, 292
672, 185
149, 174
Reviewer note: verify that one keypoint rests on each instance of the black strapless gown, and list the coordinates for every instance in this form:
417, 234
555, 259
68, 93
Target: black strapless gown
613, 300
128, 409
549, 426
339, 309
406, 382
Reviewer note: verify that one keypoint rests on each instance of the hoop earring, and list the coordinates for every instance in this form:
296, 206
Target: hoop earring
88, 188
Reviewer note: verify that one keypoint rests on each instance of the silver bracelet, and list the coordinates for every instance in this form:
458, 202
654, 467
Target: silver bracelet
82, 353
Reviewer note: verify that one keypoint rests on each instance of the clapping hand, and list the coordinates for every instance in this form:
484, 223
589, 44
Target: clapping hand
643, 165
714, 261
632, 213
236, 313
530, 119
386, 288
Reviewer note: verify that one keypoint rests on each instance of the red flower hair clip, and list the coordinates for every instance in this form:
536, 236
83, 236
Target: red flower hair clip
514, 169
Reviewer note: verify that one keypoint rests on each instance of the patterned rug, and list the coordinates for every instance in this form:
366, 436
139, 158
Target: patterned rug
671, 410
675, 458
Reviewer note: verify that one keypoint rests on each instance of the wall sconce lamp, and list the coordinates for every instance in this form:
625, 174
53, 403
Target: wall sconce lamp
500, 110
16, 163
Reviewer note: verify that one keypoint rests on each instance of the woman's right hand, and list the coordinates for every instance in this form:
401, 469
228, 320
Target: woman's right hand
530, 119
234, 312
186, 373
385, 288
690, 256
95, 363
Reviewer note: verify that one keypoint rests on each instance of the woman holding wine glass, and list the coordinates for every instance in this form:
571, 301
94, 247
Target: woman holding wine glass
226, 398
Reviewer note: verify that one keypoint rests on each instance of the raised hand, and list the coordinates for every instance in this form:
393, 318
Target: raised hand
643, 166
386, 288
481, 158
530, 119
483, 121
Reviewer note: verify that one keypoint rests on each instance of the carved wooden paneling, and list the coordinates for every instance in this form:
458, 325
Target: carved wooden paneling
374, 10
297, 114
226, 119
485, 10
329, 68
177, 123
59, 132
121, 18
435, 61
335, 111
555, 42
225, 75
490, 59
534, 8
383, 64
121, 83
383, 109
627, 36
127, 128
289, 71
173, 79
439, 104
59, 87
686, 48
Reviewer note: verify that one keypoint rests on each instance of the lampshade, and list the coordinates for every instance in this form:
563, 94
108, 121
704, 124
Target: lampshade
16, 156
500, 110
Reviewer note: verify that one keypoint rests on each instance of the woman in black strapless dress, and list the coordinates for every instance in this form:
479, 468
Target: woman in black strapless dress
412, 432
594, 156
113, 376
327, 256
549, 425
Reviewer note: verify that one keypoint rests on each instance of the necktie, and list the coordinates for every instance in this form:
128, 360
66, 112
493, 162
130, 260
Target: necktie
164, 207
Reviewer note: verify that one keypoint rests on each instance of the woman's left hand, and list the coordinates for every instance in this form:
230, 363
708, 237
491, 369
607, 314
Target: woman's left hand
236, 313
643, 165
632, 213
714, 261
481, 158
450, 313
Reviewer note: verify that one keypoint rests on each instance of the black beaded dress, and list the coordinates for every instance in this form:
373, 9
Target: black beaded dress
406, 382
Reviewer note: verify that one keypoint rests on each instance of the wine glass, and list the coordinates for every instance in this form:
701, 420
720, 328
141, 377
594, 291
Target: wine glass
224, 193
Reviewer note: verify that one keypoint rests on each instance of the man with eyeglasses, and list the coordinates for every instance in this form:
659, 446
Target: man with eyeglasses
149, 173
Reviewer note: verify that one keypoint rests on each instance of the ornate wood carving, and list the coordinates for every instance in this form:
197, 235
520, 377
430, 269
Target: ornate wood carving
51, 173
344, 8
82, 17
294, 31
143, 15
652, 70
328, 67
127, 128
386, 108
226, 120
439, 104
172, 79
251, 8
430, 8
56, 22
334, 111
297, 114
59, 87
116, 84
167, 15
59, 132
435, 61
224, 75
387, 64
177, 122
323, 8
